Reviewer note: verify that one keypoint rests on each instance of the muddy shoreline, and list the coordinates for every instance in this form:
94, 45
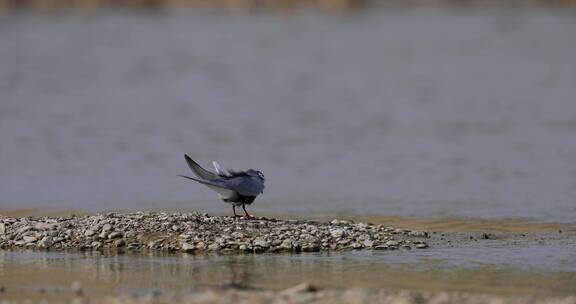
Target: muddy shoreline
301, 293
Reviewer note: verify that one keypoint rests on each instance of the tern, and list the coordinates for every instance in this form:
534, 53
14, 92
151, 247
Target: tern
238, 188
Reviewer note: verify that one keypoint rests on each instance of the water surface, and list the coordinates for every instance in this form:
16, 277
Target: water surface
526, 269
417, 113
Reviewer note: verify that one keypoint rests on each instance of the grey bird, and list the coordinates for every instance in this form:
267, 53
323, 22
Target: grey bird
238, 188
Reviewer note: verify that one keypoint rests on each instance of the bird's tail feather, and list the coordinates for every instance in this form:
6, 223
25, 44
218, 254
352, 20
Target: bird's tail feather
220, 189
198, 170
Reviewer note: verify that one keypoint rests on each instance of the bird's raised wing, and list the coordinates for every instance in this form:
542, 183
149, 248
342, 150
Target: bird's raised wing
198, 170
217, 186
219, 169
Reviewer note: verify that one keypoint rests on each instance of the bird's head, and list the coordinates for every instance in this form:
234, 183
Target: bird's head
256, 173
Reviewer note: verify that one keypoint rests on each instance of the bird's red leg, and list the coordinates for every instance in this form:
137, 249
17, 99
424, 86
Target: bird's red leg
234, 210
248, 216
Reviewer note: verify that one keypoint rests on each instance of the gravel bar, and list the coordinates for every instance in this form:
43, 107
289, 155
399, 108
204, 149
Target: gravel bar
197, 233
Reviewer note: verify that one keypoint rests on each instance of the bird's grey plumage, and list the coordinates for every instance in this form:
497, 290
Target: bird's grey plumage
222, 190
238, 188
198, 170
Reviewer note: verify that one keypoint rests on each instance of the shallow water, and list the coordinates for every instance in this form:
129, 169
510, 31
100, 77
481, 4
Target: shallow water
416, 113
494, 269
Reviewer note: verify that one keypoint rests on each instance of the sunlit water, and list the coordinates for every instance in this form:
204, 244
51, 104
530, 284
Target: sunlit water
408, 113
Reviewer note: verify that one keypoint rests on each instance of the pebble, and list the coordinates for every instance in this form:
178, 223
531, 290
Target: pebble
302, 287
106, 228
261, 242
368, 243
187, 247
286, 244
115, 235
29, 239
418, 233
197, 233
214, 247
337, 233
392, 244
46, 242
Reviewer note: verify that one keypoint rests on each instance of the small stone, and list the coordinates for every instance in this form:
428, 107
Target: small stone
96, 245
106, 227
237, 235
356, 246
368, 243
243, 247
392, 244
119, 243
214, 247
286, 244
337, 233
340, 222
418, 233
42, 226
115, 234
302, 287
2, 229
29, 239
187, 247
422, 246
46, 242
23, 229
261, 242
89, 232
103, 235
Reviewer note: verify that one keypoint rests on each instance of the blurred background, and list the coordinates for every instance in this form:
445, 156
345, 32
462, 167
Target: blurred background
370, 107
